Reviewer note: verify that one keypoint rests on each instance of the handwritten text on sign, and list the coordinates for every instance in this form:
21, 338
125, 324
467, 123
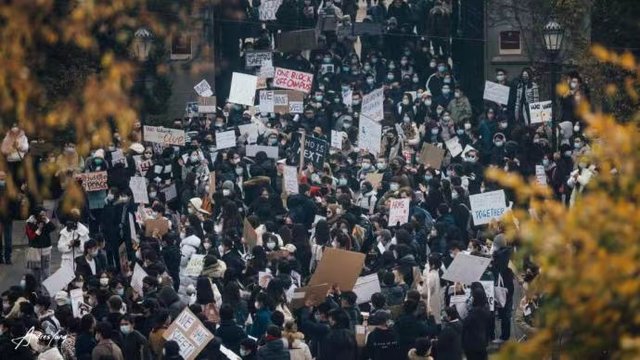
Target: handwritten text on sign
315, 150
399, 211
93, 181
294, 80
162, 135
541, 111
487, 206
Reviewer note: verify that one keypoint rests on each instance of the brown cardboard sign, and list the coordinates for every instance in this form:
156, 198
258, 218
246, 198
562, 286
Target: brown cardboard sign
432, 155
151, 225
375, 179
339, 267
315, 293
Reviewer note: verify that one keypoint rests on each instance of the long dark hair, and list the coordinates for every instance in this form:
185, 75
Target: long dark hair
204, 293
322, 234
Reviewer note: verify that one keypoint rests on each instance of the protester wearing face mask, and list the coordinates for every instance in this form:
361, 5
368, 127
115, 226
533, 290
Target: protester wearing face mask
88, 264
487, 127
446, 95
526, 93
498, 152
459, 107
436, 80
72, 238
38, 230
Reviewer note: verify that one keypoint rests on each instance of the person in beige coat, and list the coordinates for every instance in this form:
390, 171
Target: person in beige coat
430, 288
105, 347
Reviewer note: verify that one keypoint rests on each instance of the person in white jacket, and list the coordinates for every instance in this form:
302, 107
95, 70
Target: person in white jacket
430, 289
72, 239
15, 145
188, 246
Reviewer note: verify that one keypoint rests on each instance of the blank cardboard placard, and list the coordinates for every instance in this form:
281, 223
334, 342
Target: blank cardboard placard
243, 89
466, 268
151, 225
432, 155
375, 179
365, 287
315, 293
339, 267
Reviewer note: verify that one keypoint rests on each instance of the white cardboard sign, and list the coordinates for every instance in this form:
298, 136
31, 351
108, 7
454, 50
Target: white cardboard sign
541, 111
195, 265
266, 101
336, 139
136, 279
243, 89
454, 146
138, 186
399, 211
372, 105
496, 93
271, 151
225, 139
58, 280
369, 135
291, 179
203, 89
365, 287
163, 135
487, 206
466, 268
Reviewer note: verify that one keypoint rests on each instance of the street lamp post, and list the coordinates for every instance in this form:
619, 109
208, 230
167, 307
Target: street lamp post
553, 34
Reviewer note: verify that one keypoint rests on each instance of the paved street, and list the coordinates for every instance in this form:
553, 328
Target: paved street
11, 274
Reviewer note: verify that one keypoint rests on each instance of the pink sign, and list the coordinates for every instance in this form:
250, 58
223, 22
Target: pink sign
294, 80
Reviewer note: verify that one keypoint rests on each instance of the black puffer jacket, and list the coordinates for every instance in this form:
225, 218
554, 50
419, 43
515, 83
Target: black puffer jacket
339, 344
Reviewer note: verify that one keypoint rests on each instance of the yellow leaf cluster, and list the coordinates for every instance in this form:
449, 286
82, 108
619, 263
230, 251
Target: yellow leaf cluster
589, 254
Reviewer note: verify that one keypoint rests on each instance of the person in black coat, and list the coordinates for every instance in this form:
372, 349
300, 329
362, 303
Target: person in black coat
449, 344
85, 342
501, 268
474, 327
301, 208
89, 265
171, 255
382, 342
409, 327
274, 348
229, 332
340, 342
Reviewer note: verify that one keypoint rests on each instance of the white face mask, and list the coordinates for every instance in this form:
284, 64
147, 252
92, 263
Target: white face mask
244, 352
271, 245
207, 246
104, 281
394, 186
221, 249
226, 192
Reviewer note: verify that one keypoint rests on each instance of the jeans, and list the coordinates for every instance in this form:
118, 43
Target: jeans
6, 243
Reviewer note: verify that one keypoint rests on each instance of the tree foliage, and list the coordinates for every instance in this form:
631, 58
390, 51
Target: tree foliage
589, 254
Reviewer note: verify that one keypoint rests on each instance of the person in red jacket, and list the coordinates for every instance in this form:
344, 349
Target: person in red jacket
39, 229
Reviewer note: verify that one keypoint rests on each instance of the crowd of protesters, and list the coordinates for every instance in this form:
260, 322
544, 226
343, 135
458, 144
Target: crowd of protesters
205, 195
